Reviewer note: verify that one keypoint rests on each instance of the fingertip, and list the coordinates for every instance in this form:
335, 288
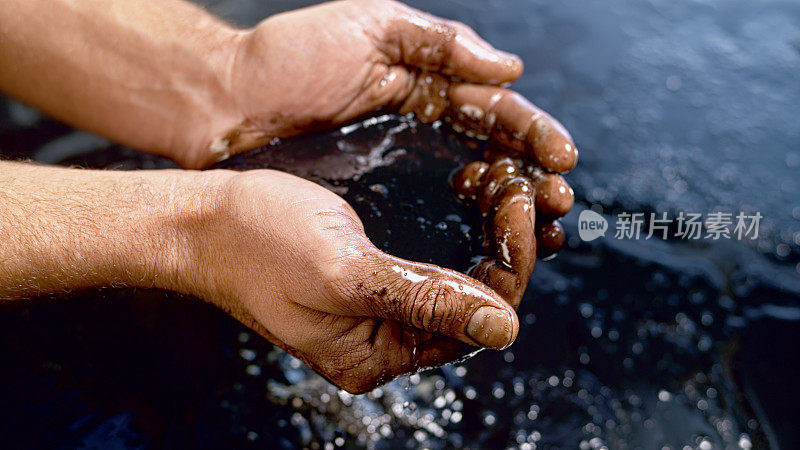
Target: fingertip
476, 61
550, 238
554, 197
514, 67
551, 145
493, 327
467, 180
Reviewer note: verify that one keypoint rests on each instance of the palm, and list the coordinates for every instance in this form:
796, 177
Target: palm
309, 311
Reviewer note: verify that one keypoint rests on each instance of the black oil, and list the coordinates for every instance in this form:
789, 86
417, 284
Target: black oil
395, 173
675, 106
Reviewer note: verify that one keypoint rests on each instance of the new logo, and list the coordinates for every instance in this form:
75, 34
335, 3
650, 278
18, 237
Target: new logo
591, 225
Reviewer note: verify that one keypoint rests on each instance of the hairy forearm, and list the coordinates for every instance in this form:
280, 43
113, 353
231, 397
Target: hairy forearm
65, 229
146, 74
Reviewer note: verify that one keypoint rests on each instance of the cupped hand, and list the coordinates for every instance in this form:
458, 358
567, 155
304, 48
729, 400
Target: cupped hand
290, 259
328, 65
297, 266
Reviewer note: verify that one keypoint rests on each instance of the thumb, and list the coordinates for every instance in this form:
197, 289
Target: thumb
432, 299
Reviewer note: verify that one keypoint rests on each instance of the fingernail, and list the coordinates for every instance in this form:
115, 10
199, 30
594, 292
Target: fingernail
491, 327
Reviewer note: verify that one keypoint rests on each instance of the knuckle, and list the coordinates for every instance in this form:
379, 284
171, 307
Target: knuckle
510, 96
432, 306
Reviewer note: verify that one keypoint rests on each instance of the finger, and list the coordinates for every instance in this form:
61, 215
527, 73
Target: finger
431, 299
549, 238
507, 118
438, 45
510, 243
425, 95
396, 349
468, 180
551, 200
441, 350
481, 181
507, 201
554, 197
500, 172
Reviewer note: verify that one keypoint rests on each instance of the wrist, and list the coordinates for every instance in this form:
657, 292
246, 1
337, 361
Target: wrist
249, 110
191, 217
146, 219
210, 130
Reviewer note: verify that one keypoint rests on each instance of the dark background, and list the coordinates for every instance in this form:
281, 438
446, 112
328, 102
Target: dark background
675, 106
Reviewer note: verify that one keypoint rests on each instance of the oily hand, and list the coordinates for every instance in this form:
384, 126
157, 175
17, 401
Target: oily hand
290, 259
328, 65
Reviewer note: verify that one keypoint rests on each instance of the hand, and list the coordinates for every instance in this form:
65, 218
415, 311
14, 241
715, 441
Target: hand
327, 65
401, 60
290, 259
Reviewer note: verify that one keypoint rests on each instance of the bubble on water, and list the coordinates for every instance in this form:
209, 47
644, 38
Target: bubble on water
744, 442
613, 335
247, 354
586, 310
470, 393
704, 343
498, 391
673, 83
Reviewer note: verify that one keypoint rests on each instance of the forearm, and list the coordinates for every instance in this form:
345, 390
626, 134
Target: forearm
65, 229
152, 75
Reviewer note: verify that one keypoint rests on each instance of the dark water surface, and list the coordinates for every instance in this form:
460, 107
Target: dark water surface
676, 106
